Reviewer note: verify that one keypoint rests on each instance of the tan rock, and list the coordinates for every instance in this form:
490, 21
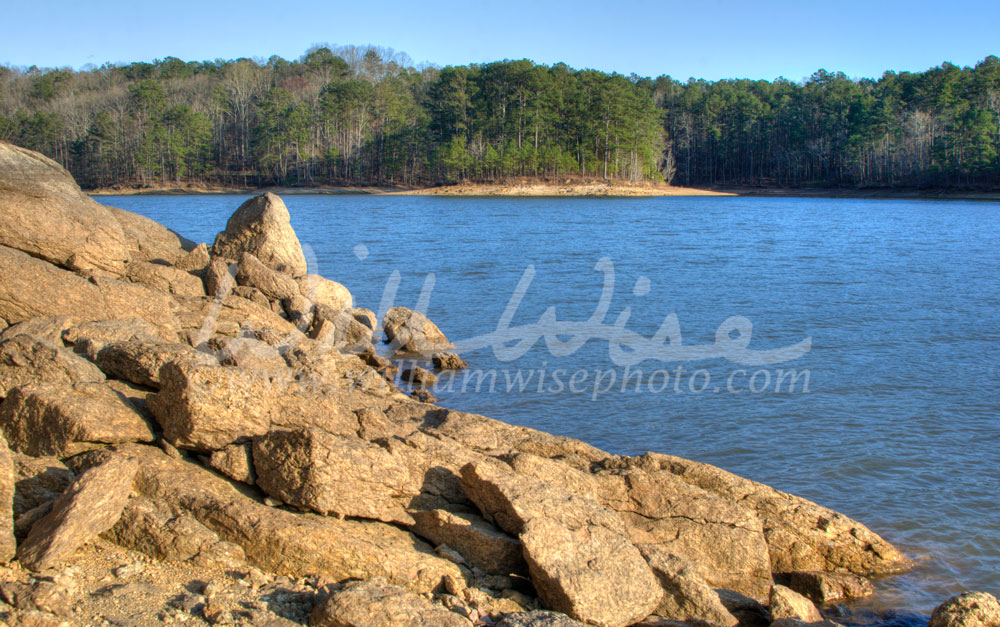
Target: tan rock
63, 419
26, 359
333, 474
262, 227
48, 329
164, 278
412, 332
801, 535
7, 483
91, 506
787, 603
538, 618
687, 596
448, 361
148, 240
219, 278
33, 288
102, 332
372, 423
154, 529
247, 353
823, 587
376, 603
236, 462
251, 272
969, 609
480, 543
140, 361
366, 317
591, 573
322, 291
195, 261
44, 213
337, 329
39, 480
419, 376
281, 542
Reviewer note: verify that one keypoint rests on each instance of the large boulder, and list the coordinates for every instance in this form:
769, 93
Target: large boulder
801, 535
377, 603
287, 543
33, 288
262, 227
412, 332
63, 419
969, 609
91, 506
26, 359
335, 474
44, 213
140, 361
148, 240
581, 560
686, 595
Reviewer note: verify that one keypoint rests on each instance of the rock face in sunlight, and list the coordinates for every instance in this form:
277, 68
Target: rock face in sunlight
223, 411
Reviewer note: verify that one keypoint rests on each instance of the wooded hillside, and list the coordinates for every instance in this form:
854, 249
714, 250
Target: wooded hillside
367, 116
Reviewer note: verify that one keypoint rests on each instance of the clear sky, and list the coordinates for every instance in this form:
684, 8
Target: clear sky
709, 39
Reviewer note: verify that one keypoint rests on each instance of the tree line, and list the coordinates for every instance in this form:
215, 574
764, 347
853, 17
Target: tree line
368, 116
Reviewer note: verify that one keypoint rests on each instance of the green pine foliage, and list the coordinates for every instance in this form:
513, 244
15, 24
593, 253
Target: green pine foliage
367, 116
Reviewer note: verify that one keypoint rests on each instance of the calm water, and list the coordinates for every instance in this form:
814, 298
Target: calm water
901, 299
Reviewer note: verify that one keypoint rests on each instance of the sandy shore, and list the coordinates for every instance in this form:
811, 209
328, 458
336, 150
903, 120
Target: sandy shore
567, 188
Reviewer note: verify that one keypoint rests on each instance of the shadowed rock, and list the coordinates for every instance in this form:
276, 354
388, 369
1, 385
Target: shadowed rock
376, 603
63, 419
27, 360
91, 506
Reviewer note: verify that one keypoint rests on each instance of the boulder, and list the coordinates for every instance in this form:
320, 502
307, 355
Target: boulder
338, 329
44, 213
334, 474
969, 609
195, 261
590, 573
7, 490
262, 227
48, 329
148, 240
154, 529
686, 595
725, 538
448, 361
103, 332
274, 285
372, 423
247, 353
579, 556
140, 361
376, 603
63, 419
419, 376
236, 462
26, 359
787, 603
824, 587
801, 535
286, 543
33, 288
207, 407
165, 278
38, 481
219, 278
366, 317
481, 544
91, 506
412, 332
322, 291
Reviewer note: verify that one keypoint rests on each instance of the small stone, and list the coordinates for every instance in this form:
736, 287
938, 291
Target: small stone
448, 361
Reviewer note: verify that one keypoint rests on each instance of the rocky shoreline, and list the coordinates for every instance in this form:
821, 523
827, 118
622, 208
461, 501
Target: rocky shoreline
206, 434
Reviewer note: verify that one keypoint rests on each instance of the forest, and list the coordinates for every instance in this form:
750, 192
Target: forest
365, 115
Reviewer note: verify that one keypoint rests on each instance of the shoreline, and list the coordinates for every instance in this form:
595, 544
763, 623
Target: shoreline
579, 189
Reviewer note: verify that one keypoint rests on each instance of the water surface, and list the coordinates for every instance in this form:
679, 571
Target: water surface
901, 299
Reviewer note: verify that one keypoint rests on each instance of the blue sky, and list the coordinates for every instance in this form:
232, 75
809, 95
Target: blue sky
701, 38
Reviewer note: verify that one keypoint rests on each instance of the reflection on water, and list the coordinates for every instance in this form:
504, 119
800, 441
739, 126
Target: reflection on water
899, 427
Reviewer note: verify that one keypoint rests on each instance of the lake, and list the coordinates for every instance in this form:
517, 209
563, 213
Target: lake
880, 319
